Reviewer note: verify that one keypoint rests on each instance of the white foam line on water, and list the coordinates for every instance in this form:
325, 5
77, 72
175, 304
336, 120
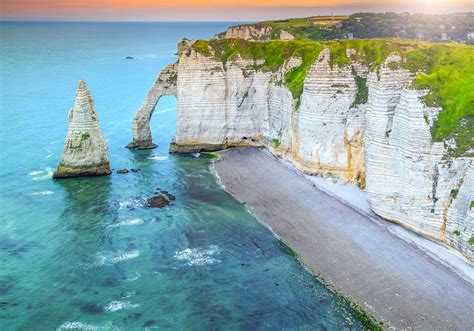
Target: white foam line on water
131, 203
88, 327
132, 279
43, 193
120, 305
198, 256
158, 157
50, 153
116, 258
42, 174
135, 221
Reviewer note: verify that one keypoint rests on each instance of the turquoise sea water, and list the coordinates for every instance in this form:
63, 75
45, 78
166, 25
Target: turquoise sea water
85, 253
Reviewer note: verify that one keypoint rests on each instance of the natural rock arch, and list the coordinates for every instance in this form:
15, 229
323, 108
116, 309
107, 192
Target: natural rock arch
165, 84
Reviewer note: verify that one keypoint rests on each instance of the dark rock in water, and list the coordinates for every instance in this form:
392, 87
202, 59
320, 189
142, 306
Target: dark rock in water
149, 323
111, 282
170, 196
134, 170
158, 201
129, 57
92, 309
122, 171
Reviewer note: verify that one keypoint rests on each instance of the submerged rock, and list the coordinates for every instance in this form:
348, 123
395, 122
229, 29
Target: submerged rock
160, 200
85, 149
92, 309
122, 171
149, 323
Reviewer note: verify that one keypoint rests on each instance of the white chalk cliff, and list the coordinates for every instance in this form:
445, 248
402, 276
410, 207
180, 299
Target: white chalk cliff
255, 32
165, 84
85, 149
384, 144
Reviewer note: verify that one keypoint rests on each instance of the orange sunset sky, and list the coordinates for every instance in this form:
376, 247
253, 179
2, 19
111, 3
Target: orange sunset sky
210, 10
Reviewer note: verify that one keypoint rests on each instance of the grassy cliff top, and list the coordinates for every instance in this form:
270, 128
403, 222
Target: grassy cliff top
446, 70
377, 25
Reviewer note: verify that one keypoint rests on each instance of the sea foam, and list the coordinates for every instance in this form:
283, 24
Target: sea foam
105, 259
120, 305
42, 174
198, 256
88, 327
135, 221
43, 193
158, 157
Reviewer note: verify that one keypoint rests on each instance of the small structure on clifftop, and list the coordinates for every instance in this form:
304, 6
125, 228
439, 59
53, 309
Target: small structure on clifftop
85, 149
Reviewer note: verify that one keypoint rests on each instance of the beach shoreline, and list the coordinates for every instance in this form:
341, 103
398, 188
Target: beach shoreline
402, 279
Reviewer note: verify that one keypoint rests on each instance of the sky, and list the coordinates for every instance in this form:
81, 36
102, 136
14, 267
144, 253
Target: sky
211, 10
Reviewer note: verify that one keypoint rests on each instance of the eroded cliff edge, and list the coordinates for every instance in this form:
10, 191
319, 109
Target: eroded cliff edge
331, 109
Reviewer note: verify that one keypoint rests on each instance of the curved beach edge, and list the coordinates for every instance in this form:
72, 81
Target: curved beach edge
386, 273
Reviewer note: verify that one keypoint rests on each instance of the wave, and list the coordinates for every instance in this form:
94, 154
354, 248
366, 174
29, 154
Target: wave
158, 157
50, 153
198, 256
43, 193
120, 305
88, 327
107, 259
134, 278
135, 221
132, 203
42, 174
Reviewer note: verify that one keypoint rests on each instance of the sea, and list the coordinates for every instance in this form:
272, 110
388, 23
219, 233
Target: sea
86, 253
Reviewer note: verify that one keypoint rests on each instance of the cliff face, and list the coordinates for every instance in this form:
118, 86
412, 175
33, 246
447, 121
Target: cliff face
85, 149
364, 126
255, 32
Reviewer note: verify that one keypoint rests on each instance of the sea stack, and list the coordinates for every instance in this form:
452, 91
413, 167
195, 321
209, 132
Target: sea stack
85, 149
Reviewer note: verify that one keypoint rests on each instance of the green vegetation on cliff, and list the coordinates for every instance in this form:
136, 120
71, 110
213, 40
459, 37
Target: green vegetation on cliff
449, 76
273, 53
446, 71
376, 25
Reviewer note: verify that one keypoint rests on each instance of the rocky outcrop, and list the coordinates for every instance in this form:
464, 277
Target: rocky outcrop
165, 84
285, 35
366, 127
255, 32
85, 149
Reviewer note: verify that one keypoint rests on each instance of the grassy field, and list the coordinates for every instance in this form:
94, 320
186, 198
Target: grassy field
445, 70
303, 22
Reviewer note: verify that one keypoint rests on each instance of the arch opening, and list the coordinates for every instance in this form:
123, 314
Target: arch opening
165, 84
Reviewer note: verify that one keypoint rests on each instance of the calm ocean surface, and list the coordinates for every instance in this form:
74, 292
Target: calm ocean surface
85, 253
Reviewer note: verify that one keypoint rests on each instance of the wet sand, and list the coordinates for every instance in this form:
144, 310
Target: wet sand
392, 279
